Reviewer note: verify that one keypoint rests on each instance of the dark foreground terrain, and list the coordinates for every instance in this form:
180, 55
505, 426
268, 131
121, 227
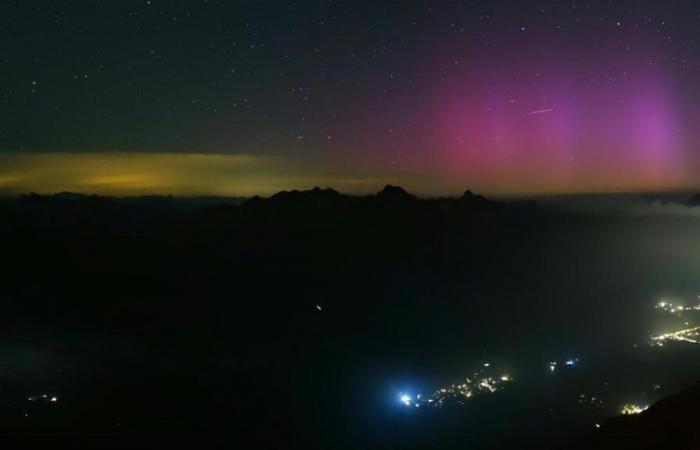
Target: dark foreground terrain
671, 423
293, 321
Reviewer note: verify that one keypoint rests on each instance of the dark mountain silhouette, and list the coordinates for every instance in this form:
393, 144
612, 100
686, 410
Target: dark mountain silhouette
61, 196
394, 194
316, 198
305, 209
315, 194
330, 199
670, 424
477, 201
320, 199
694, 200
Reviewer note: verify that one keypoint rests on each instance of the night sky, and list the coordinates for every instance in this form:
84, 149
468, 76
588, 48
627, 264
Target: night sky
244, 97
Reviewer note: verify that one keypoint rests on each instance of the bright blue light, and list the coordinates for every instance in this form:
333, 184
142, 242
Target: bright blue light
405, 399
570, 362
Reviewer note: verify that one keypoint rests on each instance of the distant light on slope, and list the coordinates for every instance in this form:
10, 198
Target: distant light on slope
631, 408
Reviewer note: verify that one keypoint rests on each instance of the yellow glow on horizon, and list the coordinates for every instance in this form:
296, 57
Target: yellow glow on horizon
185, 174
194, 174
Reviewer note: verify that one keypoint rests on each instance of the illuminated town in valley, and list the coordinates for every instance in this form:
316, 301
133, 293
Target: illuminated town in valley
487, 380
677, 308
482, 381
630, 409
690, 333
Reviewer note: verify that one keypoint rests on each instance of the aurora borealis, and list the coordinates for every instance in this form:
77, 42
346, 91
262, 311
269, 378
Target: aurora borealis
224, 98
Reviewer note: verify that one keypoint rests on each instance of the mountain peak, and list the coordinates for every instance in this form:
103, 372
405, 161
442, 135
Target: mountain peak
469, 195
395, 193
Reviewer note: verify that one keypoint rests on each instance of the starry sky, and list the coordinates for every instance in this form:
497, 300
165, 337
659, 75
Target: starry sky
192, 97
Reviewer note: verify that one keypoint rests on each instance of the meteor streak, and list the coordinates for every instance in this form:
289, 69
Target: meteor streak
541, 111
